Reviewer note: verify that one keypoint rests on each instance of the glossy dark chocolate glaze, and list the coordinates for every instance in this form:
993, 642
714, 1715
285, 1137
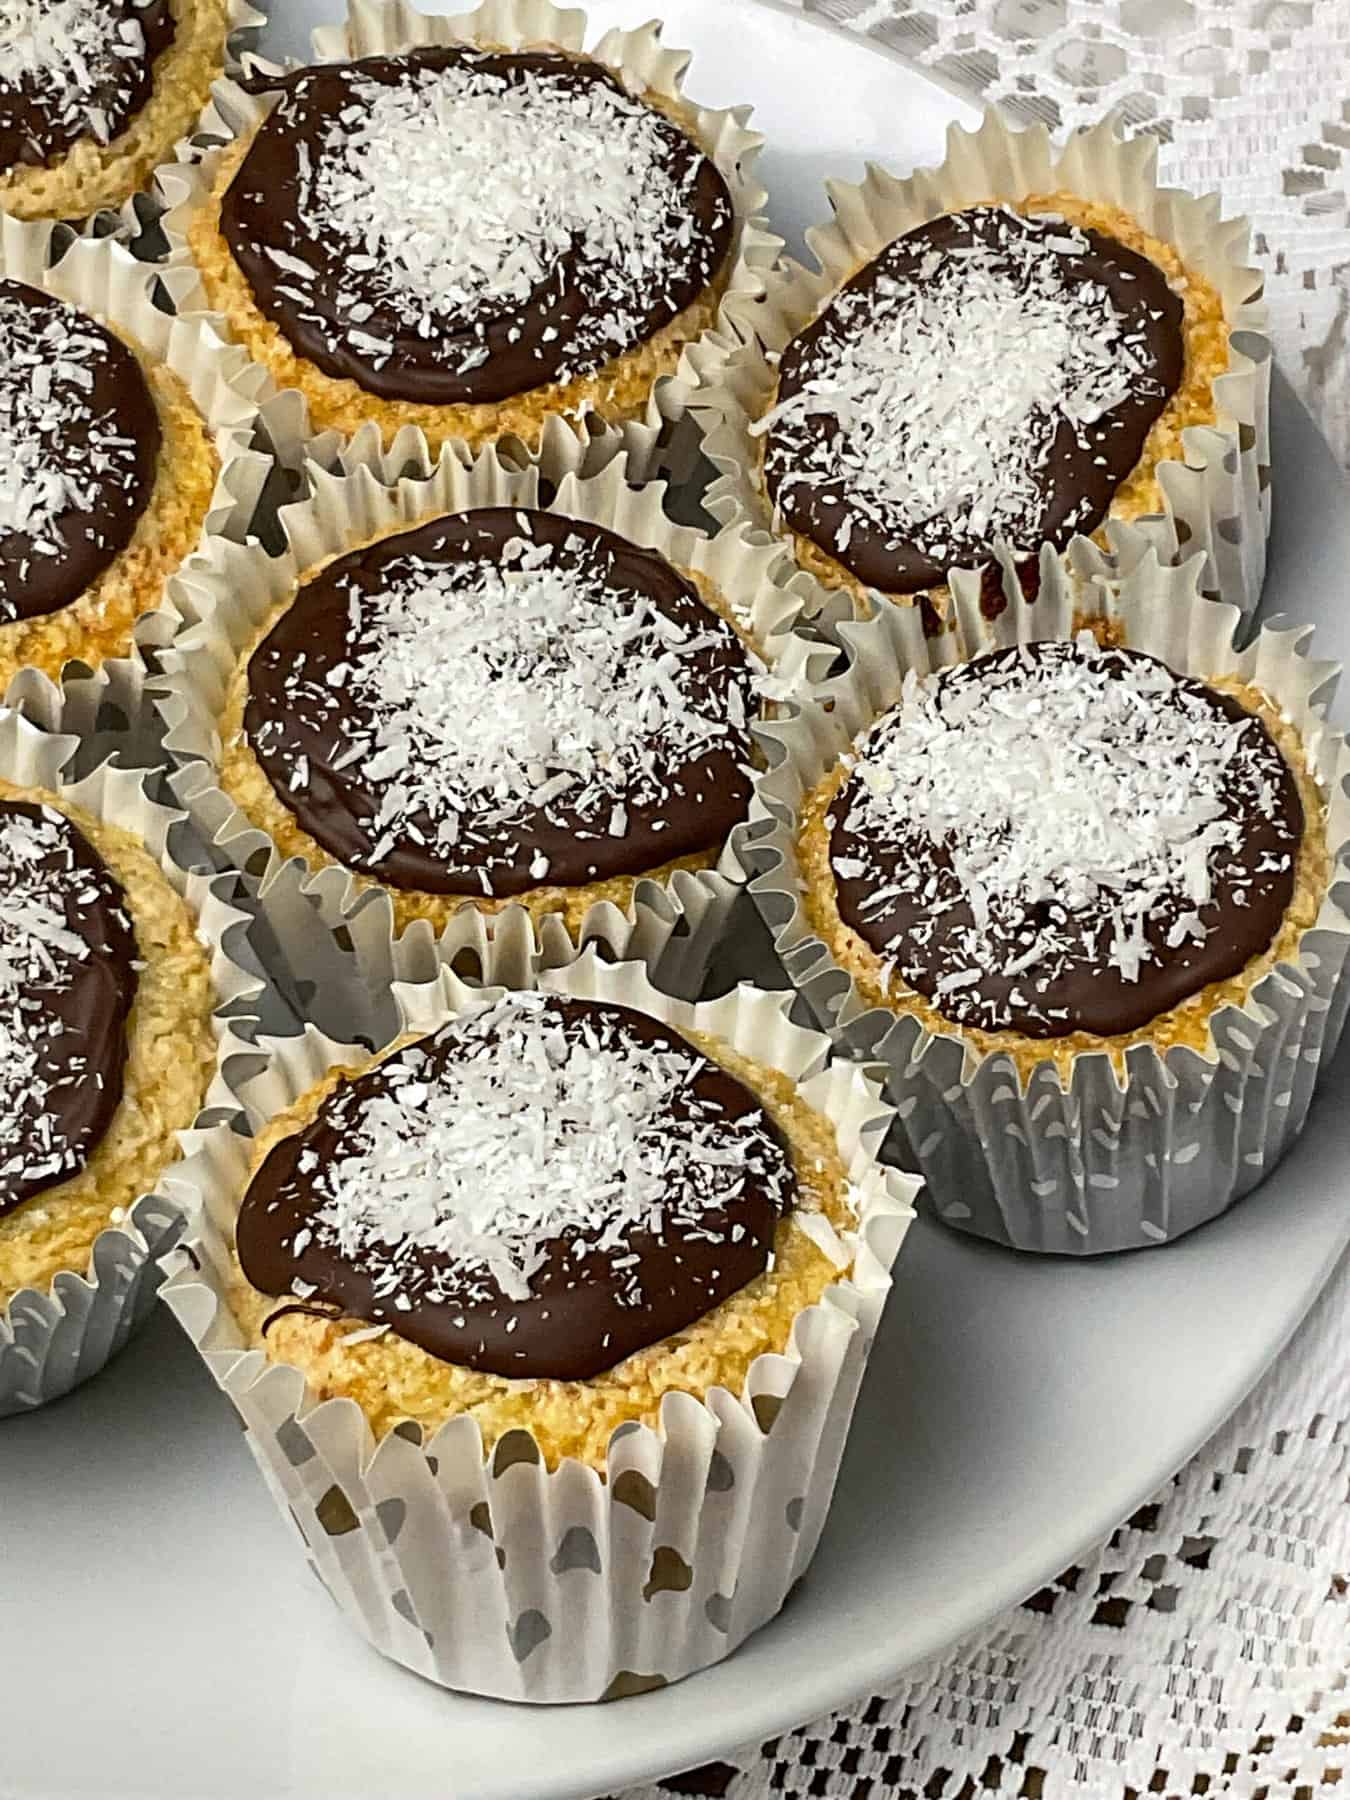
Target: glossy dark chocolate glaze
36, 578
579, 1319
527, 345
37, 127
58, 1121
1083, 991
293, 711
1084, 468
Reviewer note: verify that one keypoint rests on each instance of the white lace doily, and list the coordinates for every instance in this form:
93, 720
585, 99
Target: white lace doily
1206, 1649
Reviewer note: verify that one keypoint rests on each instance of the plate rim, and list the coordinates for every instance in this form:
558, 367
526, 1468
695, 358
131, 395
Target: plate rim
881, 1670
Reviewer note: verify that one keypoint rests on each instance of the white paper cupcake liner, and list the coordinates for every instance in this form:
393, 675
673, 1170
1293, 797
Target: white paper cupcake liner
388, 27
226, 595
493, 1574
1217, 501
1104, 1164
52, 1339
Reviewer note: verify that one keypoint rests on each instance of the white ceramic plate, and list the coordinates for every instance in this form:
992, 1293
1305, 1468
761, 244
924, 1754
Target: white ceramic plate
162, 1637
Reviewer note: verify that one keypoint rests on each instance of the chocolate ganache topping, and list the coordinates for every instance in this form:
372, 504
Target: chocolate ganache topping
540, 1189
989, 378
67, 983
455, 225
503, 698
79, 442
1060, 838
74, 69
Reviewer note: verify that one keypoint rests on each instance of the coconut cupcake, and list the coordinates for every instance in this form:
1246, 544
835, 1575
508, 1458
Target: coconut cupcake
456, 697
94, 94
555, 1288
469, 236
1054, 885
108, 1046
999, 356
1061, 847
125, 441
607, 1368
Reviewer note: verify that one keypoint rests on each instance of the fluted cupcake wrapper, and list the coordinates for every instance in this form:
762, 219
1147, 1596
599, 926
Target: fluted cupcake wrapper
388, 27
493, 1573
54, 1338
336, 964
1101, 1163
224, 597
1216, 501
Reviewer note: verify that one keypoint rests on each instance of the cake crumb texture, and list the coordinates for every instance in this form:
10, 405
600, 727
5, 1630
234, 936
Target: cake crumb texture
170, 1058
92, 176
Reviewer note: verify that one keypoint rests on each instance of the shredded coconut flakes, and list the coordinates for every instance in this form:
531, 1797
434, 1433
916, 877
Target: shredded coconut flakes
460, 193
1078, 794
538, 1130
949, 391
64, 52
36, 951
56, 453
491, 694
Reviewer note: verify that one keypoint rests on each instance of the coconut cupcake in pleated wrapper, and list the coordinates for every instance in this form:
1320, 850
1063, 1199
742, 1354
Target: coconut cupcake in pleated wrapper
1081, 894
112, 1015
469, 224
1022, 347
447, 695
95, 94
128, 434
595, 1461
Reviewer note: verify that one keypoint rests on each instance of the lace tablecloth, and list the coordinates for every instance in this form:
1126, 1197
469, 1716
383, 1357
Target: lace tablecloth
1206, 1648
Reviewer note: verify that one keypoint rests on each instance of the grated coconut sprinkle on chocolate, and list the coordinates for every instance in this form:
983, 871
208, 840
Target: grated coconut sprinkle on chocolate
1059, 813
540, 1130
944, 393
68, 54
